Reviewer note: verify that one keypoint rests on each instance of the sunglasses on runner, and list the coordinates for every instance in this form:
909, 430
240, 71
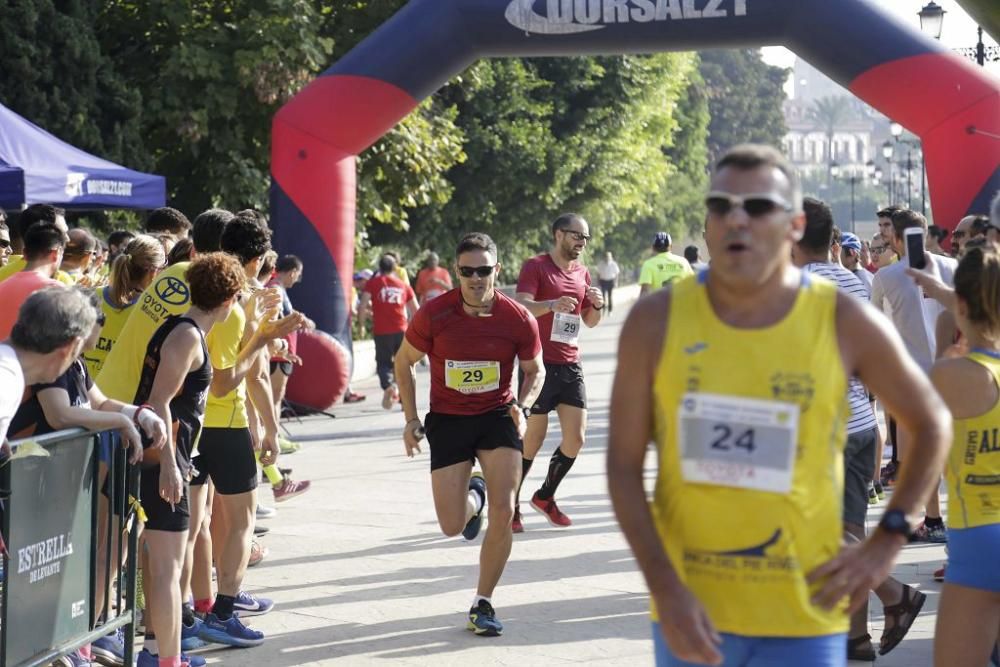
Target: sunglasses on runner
722, 203
579, 236
481, 271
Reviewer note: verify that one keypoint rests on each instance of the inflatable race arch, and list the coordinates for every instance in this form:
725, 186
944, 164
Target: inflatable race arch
937, 95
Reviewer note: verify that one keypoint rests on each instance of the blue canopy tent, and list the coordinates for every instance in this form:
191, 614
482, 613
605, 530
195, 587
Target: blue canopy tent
36, 167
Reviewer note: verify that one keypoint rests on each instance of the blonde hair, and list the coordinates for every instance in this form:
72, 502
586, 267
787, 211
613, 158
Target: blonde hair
977, 283
138, 258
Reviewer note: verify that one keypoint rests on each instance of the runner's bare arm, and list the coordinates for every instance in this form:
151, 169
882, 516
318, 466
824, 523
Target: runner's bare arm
684, 622
406, 380
259, 393
871, 349
565, 304
592, 315
534, 378
224, 380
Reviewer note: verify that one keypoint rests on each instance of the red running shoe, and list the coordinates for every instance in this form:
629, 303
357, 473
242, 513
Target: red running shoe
354, 397
939, 574
551, 511
516, 526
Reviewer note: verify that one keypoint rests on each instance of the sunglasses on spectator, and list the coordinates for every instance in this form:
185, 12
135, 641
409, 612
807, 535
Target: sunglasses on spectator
481, 271
579, 236
756, 205
878, 249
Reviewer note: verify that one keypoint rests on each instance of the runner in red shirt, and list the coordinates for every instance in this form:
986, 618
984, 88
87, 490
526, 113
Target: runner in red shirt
391, 301
432, 280
555, 287
473, 336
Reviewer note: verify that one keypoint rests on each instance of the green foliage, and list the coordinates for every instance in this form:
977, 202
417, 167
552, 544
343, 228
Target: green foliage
745, 99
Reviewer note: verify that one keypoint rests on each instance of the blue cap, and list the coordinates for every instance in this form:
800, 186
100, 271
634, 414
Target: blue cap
850, 241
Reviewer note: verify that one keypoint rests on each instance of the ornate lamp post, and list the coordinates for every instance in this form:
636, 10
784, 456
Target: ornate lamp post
931, 23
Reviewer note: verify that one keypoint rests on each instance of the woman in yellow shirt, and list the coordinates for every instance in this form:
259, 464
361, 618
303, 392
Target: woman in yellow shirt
969, 613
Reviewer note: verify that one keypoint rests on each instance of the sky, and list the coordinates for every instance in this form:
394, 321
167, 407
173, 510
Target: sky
959, 29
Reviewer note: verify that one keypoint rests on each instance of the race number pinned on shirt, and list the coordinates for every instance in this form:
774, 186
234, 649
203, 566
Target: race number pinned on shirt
746, 443
566, 328
472, 377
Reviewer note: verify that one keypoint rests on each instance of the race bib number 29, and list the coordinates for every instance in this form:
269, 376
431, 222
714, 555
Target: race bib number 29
472, 377
566, 328
739, 442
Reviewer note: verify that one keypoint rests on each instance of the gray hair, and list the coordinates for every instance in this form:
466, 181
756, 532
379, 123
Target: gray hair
995, 211
51, 318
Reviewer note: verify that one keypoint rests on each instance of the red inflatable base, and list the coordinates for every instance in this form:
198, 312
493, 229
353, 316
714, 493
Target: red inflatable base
325, 372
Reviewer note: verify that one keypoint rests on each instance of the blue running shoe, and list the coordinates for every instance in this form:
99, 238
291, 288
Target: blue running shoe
230, 633
483, 620
74, 659
147, 659
110, 649
190, 639
478, 484
248, 604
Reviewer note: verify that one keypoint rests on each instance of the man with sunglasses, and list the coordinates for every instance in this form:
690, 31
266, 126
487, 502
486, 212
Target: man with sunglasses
5, 246
663, 267
473, 336
555, 288
739, 377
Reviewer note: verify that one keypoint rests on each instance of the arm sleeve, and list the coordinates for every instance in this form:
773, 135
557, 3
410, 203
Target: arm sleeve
419, 332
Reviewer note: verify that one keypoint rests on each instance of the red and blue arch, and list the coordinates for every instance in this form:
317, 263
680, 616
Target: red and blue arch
935, 94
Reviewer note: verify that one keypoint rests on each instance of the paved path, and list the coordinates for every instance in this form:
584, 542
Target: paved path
362, 575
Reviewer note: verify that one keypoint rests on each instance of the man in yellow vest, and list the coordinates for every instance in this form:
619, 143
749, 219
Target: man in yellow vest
739, 376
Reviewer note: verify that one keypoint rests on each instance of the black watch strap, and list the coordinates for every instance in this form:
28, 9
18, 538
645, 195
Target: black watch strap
895, 522
525, 410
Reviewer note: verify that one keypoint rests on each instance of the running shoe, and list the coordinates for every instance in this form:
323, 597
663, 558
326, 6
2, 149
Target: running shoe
231, 632
258, 552
932, 534
288, 489
550, 511
74, 659
888, 474
879, 490
478, 484
147, 659
872, 495
287, 446
248, 604
354, 397
261, 530
483, 620
265, 512
388, 398
189, 635
516, 526
939, 573
109, 650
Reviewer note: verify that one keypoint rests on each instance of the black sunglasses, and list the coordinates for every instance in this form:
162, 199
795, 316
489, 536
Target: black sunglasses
722, 203
579, 236
481, 271
4, 243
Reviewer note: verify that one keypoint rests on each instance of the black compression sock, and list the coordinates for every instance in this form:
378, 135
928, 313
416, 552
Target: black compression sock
933, 522
559, 465
525, 468
223, 607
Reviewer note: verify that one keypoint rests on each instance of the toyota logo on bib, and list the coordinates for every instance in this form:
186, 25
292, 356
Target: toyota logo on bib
173, 291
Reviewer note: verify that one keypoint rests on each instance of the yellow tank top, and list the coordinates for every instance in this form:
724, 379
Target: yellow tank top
168, 294
114, 322
224, 342
973, 471
750, 430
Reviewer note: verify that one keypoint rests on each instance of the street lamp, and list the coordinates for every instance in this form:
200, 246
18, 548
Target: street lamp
896, 130
932, 19
931, 23
887, 151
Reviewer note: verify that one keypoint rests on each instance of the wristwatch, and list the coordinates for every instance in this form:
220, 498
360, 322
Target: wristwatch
525, 410
895, 522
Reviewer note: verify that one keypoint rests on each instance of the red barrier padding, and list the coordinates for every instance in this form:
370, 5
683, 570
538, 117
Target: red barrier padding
325, 372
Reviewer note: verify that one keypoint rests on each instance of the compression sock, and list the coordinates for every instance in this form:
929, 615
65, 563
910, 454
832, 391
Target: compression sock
187, 614
559, 465
933, 522
525, 468
273, 475
223, 607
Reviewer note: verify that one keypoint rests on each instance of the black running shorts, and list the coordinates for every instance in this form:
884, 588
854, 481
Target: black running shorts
563, 384
456, 438
159, 515
226, 455
285, 366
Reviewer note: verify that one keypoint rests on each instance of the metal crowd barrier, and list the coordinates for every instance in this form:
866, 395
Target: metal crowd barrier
50, 526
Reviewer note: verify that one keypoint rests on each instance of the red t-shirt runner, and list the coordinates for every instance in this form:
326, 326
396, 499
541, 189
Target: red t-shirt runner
389, 298
542, 278
472, 358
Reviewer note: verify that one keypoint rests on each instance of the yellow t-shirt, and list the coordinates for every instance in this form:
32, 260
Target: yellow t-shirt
17, 263
749, 425
224, 342
662, 269
167, 295
973, 470
114, 321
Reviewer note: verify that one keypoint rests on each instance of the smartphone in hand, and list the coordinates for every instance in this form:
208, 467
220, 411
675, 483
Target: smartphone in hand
915, 253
